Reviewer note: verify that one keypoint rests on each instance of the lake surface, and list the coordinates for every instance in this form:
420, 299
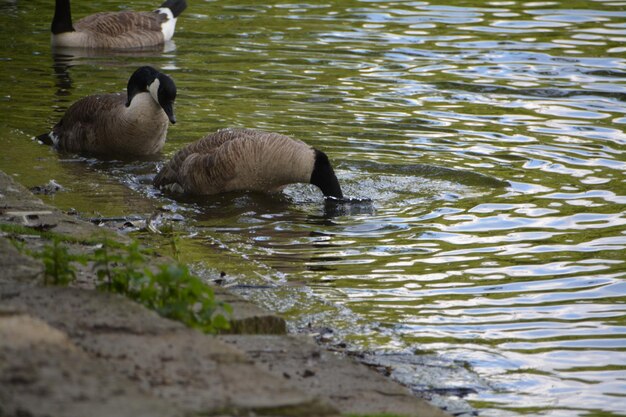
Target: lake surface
490, 137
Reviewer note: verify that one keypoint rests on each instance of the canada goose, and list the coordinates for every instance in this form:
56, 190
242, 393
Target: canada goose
247, 160
119, 124
115, 30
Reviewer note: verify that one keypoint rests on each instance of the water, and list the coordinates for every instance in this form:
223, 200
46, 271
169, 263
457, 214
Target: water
489, 136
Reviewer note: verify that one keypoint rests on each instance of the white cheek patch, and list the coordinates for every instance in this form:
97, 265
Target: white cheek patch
154, 89
167, 27
54, 138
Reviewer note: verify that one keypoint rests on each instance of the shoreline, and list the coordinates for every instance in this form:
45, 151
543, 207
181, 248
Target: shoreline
71, 351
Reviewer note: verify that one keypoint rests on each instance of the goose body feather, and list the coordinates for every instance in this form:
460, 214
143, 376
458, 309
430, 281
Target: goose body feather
238, 159
117, 30
102, 124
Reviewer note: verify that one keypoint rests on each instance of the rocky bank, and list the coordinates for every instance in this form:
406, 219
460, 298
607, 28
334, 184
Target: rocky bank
76, 351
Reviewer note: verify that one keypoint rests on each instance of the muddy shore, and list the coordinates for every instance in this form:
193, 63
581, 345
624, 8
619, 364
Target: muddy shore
76, 351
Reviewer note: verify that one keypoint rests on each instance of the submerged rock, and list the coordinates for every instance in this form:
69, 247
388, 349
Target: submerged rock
52, 187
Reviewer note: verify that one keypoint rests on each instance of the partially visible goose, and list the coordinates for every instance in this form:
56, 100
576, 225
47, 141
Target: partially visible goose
120, 124
115, 30
247, 160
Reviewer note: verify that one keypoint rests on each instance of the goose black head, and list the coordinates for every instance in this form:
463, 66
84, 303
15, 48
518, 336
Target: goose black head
160, 86
324, 176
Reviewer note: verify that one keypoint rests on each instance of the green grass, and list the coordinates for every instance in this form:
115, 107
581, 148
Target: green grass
58, 268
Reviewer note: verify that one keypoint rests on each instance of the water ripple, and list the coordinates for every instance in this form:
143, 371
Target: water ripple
490, 140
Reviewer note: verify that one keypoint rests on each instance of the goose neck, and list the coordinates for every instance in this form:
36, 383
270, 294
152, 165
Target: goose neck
62, 20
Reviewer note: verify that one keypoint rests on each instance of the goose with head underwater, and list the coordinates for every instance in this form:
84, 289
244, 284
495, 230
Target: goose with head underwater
247, 160
131, 124
115, 30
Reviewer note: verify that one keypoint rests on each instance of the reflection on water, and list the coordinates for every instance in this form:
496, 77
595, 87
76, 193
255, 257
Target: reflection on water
489, 136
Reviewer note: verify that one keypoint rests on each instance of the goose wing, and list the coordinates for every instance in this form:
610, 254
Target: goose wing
120, 23
79, 128
173, 173
237, 159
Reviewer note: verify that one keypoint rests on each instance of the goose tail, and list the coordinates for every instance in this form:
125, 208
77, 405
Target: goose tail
176, 6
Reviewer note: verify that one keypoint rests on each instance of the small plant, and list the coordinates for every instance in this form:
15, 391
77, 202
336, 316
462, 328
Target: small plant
174, 240
175, 293
172, 290
118, 271
20, 245
57, 263
103, 264
131, 270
